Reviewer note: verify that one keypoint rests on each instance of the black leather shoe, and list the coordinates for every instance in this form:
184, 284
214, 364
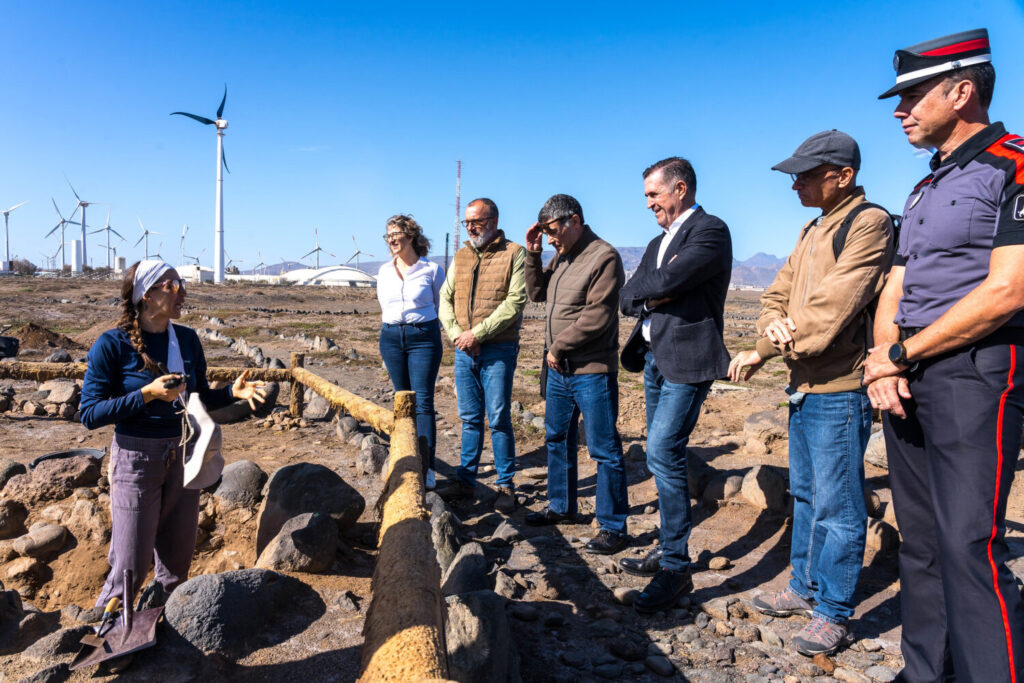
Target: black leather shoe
606, 543
548, 516
662, 592
648, 565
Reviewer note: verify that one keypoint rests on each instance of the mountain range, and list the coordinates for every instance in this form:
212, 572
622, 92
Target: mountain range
757, 271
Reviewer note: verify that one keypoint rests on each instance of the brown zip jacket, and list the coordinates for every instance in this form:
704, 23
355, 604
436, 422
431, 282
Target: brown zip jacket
826, 298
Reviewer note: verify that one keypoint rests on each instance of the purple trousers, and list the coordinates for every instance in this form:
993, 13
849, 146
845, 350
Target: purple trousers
154, 518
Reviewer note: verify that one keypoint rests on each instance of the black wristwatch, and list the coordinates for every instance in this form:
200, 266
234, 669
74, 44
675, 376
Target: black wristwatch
898, 354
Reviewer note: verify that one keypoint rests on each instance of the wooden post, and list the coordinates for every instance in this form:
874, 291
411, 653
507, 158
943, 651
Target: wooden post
295, 405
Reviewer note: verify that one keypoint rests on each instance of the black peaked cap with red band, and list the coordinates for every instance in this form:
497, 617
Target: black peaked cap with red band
931, 58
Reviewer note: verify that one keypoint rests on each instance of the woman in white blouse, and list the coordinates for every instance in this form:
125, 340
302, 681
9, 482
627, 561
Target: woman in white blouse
409, 290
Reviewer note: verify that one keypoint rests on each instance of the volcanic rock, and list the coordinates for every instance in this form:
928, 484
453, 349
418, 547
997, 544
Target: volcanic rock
54, 479
12, 518
42, 540
764, 488
241, 484
306, 487
467, 572
306, 543
480, 644
8, 469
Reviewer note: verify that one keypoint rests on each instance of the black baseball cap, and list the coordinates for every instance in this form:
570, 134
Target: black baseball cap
827, 147
931, 58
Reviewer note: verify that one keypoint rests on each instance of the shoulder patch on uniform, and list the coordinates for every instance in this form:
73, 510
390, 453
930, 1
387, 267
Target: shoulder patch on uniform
1017, 145
1018, 208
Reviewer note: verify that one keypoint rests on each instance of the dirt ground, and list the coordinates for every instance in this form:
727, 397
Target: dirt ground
756, 545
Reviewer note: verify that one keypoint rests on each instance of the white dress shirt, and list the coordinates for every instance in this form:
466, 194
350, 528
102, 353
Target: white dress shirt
662, 248
413, 298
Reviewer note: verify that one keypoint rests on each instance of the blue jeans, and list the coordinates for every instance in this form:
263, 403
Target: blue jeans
597, 398
412, 355
483, 383
672, 412
827, 437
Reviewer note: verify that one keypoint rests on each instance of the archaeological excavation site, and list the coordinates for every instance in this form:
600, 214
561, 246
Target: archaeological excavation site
321, 556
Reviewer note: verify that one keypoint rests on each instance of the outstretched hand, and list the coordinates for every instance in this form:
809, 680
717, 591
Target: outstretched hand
249, 391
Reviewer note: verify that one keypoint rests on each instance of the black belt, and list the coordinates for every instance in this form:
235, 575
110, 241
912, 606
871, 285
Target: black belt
420, 325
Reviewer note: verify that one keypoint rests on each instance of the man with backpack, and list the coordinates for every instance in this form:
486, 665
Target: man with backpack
817, 316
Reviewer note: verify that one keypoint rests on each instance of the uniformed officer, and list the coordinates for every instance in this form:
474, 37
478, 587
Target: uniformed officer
949, 368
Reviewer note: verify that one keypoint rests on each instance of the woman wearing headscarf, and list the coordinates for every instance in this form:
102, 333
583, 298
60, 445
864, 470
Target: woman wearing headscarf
138, 378
409, 291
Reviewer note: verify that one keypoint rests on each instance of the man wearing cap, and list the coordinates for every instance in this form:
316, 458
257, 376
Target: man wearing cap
949, 368
815, 316
678, 295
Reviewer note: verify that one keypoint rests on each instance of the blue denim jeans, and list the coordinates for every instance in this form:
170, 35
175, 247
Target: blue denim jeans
412, 355
483, 383
672, 412
827, 437
597, 398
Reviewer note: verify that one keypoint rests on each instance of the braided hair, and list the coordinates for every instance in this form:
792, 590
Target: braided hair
129, 321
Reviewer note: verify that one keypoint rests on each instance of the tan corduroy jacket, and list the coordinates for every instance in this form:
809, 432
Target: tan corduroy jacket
826, 298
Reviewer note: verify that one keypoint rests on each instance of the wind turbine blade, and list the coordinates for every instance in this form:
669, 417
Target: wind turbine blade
55, 229
15, 207
74, 212
329, 254
108, 218
308, 253
349, 259
200, 119
140, 223
117, 233
223, 157
93, 232
220, 109
139, 242
154, 232
72, 222
56, 209
370, 255
73, 190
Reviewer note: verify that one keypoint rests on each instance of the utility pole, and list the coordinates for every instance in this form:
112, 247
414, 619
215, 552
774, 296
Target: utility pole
458, 202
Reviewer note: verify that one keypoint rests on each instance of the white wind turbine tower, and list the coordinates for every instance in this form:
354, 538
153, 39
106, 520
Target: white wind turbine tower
184, 229
61, 224
222, 165
317, 250
81, 205
145, 236
356, 255
261, 264
107, 229
7, 237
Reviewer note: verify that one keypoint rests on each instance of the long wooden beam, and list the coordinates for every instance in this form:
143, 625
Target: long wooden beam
380, 419
40, 372
403, 638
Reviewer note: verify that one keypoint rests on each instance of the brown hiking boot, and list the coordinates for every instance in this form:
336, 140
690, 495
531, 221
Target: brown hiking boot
506, 500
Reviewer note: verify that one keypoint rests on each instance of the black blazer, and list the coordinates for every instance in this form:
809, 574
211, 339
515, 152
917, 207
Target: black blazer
686, 333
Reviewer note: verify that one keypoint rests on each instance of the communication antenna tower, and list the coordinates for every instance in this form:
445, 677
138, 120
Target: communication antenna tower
458, 202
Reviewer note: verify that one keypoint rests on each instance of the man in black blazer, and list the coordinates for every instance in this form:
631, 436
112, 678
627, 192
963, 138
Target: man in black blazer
678, 294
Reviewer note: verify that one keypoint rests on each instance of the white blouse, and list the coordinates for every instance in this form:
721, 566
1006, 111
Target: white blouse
412, 299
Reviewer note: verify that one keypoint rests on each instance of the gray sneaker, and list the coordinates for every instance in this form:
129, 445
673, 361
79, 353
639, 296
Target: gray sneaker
782, 603
821, 636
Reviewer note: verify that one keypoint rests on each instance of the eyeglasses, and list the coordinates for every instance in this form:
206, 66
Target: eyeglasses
548, 227
807, 176
393, 236
173, 286
476, 223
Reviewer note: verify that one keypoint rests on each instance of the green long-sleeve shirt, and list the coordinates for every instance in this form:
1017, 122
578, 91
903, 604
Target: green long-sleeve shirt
503, 315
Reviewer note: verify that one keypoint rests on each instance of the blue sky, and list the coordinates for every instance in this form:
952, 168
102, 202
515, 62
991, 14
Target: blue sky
344, 114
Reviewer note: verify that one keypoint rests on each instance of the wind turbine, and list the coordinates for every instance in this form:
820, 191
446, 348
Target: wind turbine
231, 260
60, 226
81, 205
145, 236
221, 125
112, 249
356, 255
259, 265
157, 254
184, 229
317, 250
7, 240
196, 257
107, 229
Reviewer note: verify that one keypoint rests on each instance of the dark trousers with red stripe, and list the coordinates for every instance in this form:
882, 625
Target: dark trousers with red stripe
951, 463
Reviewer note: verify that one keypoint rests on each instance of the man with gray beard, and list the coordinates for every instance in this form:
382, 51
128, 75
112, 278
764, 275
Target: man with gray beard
481, 310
